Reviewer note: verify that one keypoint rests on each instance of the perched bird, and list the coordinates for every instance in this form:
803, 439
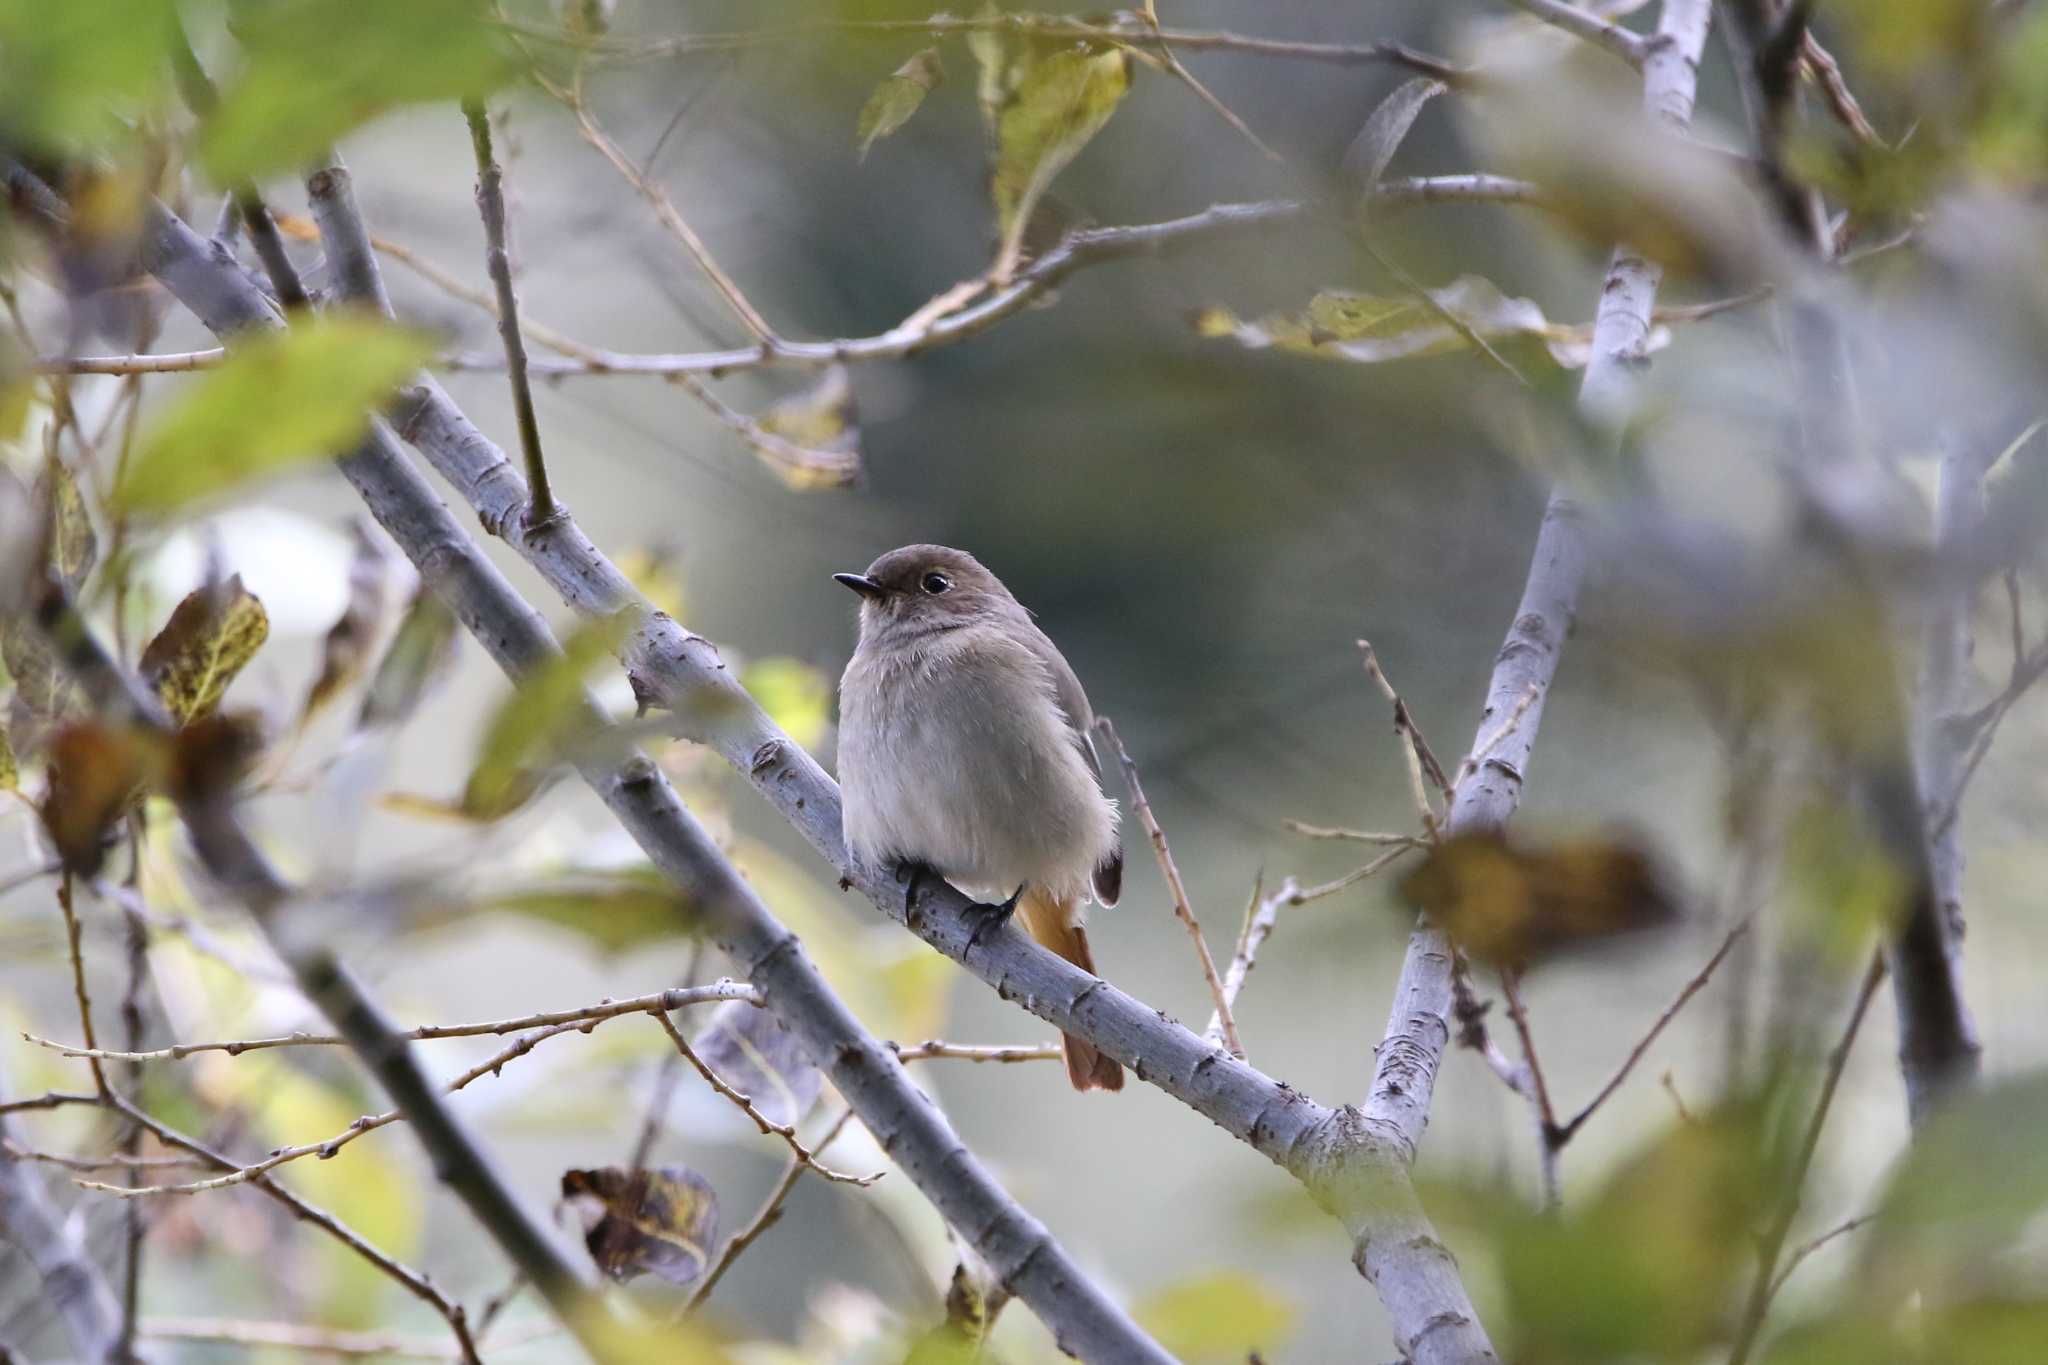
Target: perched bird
964, 747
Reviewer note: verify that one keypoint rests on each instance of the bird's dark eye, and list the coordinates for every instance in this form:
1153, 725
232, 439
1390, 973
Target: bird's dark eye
935, 583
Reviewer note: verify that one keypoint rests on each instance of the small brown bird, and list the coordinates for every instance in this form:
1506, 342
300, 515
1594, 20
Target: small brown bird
964, 747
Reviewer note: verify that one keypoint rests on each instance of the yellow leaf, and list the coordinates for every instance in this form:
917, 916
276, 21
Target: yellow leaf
1223, 1316
536, 723
1057, 102
897, 98
211, 635
1508, 905
795, 695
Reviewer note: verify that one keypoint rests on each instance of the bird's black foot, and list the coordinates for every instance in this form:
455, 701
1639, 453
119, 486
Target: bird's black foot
912, 875
1008, 908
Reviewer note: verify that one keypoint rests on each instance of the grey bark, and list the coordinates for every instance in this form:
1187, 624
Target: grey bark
72, 1283
906, 1124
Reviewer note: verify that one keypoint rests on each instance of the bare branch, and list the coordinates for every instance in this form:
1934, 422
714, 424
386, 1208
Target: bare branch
786, 1131
1583, 23
73, 1284
1174, 888
490, 202
1773, 1241
771, 1208
658, 1003
971, 1052
1030, 1262
1422, 765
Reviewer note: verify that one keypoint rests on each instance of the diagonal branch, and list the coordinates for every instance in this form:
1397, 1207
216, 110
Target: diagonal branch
73, 1284
866, 1072
1583, 23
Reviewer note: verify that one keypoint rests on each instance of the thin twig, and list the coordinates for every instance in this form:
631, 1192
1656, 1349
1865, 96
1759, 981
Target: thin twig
490, 202
118, 1161
1355, 836
1422, 762
666, 214
658, 1002
1823, 70
1685, 993
1471, 761
1773, 1241
319, 1340
1175, 888
768, 1126
1046, 25
1537, 1091
933, 1048
78, 987
1202, 92
1806, 1249
771, 1211
1583, 23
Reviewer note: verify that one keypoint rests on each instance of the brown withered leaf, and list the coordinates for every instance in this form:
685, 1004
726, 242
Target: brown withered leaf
96, 773
661, 1221
209, 757
211, 635
1510, 906
345, 653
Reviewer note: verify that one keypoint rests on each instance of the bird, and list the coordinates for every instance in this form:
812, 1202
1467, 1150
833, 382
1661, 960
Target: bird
966, 748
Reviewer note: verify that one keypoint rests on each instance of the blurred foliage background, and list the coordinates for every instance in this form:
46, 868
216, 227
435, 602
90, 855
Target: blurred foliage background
1205, 529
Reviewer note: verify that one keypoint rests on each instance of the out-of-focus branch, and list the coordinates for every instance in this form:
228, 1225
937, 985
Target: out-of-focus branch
1126, 28
490, 202
1766, 1281
913, 1131
1583, 23
1418, 1024
240, 868
73, 1284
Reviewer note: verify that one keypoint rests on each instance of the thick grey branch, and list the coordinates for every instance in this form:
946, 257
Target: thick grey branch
907, 1125
72, 1284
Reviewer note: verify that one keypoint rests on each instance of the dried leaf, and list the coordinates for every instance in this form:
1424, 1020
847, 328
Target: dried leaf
536, 724
812, 438
279, 400
761, 1059
345, 652
42, 688
417, 658
897, 98
619, 910
1508, 905
1384, 132
1372, 329
655, 1221
210, 756
73, 547
96, 773
1056, 102
213, 633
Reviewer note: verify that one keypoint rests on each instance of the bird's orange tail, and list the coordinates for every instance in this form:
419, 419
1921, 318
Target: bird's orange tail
1056, 925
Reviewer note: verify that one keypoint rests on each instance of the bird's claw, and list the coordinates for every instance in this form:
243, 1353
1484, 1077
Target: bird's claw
1008, 908
912, 876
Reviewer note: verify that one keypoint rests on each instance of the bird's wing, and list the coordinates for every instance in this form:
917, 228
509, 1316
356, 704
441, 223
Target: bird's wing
1109, 876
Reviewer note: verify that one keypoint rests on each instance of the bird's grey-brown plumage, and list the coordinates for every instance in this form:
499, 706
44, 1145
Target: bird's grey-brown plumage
965, 745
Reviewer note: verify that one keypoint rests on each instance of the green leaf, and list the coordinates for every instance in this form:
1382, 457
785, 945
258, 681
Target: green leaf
897, 98
617, 910
1059, 100
1384, 132
1372, 329
661, 1221
10, 768
43, 688
73, 547
314, 69
279, 400
795, 695
210, 637
537, 723
69, 70
417, 657
1222, 1316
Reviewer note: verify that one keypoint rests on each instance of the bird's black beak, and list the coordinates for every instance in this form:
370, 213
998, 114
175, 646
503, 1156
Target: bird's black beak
860, 583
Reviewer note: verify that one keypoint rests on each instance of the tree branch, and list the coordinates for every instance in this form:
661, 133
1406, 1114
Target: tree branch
1583, 23
490, 202
909, 1127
